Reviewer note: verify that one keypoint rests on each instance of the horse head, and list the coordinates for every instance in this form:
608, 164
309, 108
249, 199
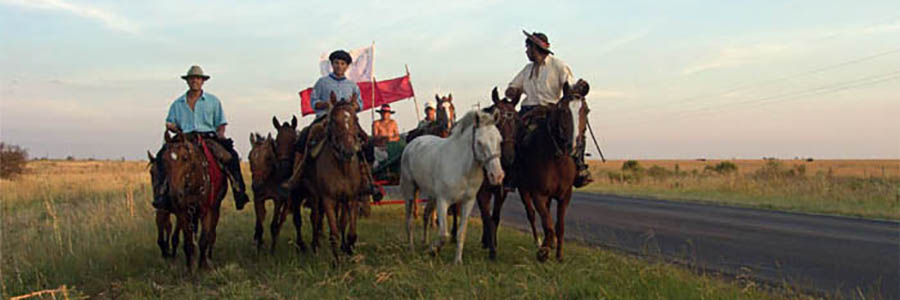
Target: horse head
157, 186
568, 120
507, 121
263, 160
342, 129
285, 140
184, 164
486, 141
445, 114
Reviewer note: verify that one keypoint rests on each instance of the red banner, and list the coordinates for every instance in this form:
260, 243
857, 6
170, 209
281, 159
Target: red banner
386, 91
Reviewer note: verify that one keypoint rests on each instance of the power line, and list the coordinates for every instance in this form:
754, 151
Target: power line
770, 81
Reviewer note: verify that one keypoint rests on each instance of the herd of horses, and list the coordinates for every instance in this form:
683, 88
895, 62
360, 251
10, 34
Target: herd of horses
452, 164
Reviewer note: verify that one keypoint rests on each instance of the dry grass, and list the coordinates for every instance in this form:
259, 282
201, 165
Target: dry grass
865, 188
72, 224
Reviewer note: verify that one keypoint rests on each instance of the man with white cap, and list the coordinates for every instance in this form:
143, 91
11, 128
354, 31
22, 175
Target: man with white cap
200, 112
430, 114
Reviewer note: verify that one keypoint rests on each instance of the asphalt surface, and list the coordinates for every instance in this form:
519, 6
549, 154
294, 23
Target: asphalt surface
818, 253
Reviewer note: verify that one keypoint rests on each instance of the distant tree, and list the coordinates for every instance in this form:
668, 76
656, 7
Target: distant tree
12, 160
632, 165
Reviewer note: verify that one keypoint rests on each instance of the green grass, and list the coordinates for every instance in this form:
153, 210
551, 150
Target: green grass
93, 244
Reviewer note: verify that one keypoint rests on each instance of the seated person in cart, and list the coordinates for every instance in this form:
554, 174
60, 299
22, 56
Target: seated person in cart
385, 130
430, 115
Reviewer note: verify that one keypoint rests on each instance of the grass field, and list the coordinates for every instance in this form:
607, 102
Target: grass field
863, 188
89, 226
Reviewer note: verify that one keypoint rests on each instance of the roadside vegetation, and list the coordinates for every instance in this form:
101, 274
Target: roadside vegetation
89, 226
863, 188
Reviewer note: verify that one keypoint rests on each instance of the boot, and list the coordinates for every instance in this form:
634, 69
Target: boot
233, 170
370, 182
583, 177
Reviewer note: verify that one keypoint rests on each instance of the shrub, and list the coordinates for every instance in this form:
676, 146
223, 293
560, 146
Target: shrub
658, 172
725, 167
632, 166
12, 160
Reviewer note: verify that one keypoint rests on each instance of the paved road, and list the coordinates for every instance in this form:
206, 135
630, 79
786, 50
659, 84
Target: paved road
820, 253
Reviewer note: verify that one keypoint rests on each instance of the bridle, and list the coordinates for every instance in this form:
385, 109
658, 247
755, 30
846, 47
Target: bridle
488, 159
340, 152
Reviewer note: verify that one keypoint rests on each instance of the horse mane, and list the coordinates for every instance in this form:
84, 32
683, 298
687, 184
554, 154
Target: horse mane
468, 121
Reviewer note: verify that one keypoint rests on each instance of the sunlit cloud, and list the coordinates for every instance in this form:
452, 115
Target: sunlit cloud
738, 56
111, 20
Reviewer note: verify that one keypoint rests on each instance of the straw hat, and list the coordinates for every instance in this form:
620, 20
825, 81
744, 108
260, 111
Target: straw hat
195, 70
539, 39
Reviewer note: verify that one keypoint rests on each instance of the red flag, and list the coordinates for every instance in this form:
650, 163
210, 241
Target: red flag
386, 91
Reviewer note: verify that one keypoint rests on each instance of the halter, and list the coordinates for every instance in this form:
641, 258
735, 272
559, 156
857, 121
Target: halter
474, 152
340, 152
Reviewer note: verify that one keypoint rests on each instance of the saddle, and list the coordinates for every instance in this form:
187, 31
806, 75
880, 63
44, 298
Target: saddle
316, 140
530, 122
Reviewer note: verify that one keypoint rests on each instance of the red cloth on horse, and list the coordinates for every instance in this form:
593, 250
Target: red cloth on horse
215, 174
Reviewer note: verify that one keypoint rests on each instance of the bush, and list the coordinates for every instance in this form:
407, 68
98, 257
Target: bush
658, 172
12, 160
725, 167
632, 166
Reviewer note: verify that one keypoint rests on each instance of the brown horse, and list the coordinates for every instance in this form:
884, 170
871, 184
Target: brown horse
190, 185
546, 170
267, 185
335, 176
508, 123
167, 241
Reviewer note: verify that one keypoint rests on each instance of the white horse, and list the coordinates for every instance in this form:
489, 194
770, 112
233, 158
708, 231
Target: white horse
449, 171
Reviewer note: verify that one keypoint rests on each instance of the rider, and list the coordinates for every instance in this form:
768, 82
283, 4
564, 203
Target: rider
336, 82
386, 128
430, 114
542, 81
200, 112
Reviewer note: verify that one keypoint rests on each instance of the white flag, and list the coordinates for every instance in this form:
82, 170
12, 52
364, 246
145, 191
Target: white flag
360, 69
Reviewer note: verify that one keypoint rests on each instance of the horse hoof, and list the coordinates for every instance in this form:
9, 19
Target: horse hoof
492, 255
301, 247
543, 253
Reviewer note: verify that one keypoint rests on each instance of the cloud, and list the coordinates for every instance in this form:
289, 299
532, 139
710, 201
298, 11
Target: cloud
111, 20
737, 56
623, 40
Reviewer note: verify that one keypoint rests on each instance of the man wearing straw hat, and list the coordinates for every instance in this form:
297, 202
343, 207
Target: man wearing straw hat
200, 112
542, 81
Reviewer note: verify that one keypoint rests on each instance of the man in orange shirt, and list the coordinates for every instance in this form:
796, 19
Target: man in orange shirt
385, 130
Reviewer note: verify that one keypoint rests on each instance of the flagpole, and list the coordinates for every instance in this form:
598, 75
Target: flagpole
416, 102
373, 88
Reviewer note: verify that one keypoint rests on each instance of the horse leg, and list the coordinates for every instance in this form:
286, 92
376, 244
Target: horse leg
499, 198
188, 235
343, 218
427, 219
454, 211
528, 202
208, 237
354, 216
484, 206
315, 220
329, 207
443, 235
298, 223
175, 238
259, 205
561, 207
278, 216
163, 231
411, 218
466, 208
542, 205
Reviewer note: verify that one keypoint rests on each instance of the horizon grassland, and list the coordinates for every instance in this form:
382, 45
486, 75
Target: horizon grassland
88, 225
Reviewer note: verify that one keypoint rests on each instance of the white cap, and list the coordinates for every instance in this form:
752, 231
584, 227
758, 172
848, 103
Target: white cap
431, 104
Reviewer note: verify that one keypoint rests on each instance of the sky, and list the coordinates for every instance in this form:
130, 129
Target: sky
669, 79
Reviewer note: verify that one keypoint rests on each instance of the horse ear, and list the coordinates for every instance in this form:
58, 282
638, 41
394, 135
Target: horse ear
268, 137
294, 121
167, 137
567, 90
332, 98
252, 139
495, 96
150, 156
450, 97
437, 98
275, 122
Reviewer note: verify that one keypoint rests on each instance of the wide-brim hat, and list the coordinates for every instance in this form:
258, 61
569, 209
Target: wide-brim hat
539, 39
385, 108
195, 71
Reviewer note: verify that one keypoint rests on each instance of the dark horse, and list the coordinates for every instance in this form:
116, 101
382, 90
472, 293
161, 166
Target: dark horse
546, 170
194, 202
334, 176
268, 174
508, 123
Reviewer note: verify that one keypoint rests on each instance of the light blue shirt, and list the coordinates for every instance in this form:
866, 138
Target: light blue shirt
206, 116
343, 88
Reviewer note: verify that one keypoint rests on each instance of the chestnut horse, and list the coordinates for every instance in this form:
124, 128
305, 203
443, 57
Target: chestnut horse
167, 241
546, 170
445, 116
267, 185
508, 123
335, 176
190, 185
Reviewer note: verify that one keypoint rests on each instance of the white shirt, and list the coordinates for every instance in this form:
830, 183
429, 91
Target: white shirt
546, 87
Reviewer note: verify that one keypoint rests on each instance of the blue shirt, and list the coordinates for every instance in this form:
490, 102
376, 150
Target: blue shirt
342, 87
206, 116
